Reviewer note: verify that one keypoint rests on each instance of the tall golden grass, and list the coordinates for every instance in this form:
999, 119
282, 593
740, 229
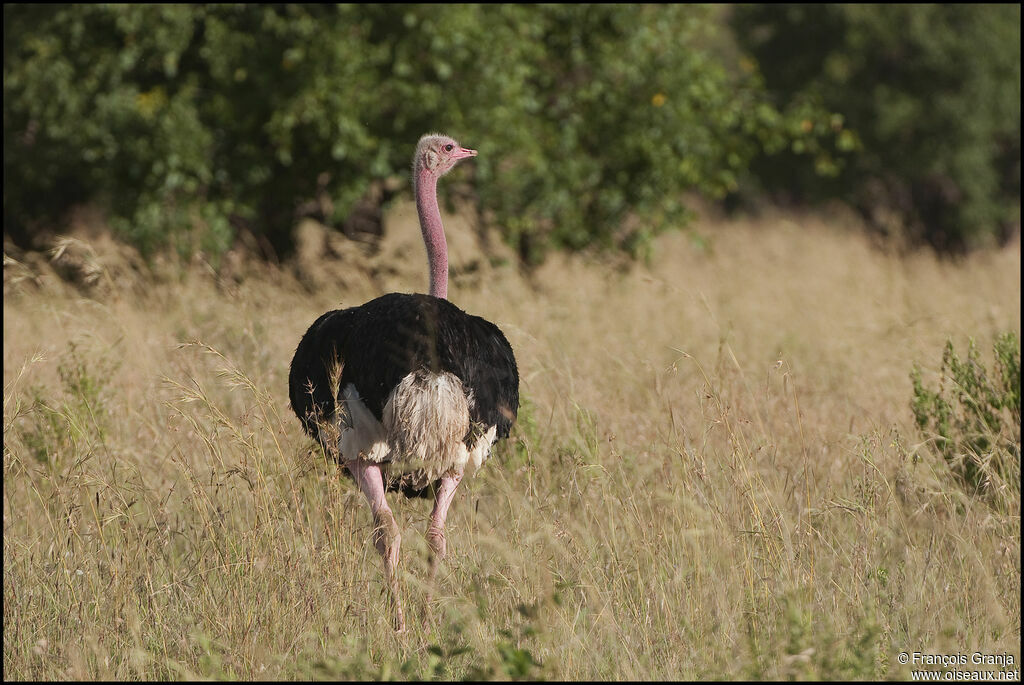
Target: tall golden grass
715, 473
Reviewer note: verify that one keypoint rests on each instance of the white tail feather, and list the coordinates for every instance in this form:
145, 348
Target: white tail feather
425, 420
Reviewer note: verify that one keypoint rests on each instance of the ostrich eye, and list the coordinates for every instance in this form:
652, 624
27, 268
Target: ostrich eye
449, 147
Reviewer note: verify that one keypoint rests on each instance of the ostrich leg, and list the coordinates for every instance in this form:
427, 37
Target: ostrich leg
386, 536
435, 531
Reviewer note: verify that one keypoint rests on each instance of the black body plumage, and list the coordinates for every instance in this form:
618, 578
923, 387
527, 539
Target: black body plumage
379, 343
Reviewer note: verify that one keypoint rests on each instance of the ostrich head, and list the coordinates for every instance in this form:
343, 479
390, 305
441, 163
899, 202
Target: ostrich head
437, 154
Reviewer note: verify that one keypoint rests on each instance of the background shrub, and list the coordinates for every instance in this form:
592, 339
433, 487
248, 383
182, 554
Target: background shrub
933, 94
190, 122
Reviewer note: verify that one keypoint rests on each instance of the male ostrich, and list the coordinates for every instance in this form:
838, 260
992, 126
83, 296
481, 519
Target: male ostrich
425, 389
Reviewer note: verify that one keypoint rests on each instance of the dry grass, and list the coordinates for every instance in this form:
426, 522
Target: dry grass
715, 473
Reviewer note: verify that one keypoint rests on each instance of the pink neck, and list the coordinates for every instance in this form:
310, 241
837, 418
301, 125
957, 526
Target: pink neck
433, 231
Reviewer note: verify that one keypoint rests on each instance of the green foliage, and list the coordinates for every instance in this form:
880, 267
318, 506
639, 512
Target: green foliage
797, 644
54, 429
515, 453
931, 95
508, 660
974, 416
190, 121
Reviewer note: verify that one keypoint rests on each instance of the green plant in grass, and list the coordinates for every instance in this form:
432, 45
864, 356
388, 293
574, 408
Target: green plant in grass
974, 415
54, 426
43, 429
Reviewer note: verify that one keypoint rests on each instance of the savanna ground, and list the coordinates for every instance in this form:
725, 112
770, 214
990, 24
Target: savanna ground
715, 473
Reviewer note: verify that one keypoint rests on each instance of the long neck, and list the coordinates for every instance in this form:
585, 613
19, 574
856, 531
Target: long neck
433, 231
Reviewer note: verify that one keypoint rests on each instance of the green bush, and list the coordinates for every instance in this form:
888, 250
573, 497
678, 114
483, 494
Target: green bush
974, 416
932, 93
190, 121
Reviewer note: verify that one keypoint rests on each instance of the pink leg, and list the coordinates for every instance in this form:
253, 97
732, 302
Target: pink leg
435, 531
386, 536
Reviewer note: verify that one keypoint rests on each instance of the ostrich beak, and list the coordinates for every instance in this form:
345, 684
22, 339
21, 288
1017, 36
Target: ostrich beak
462, 153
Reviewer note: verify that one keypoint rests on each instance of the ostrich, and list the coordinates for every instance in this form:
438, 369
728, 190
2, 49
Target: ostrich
408, 391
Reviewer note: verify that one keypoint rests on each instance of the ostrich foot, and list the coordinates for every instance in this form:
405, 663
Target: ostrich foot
435, 532
387, 538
